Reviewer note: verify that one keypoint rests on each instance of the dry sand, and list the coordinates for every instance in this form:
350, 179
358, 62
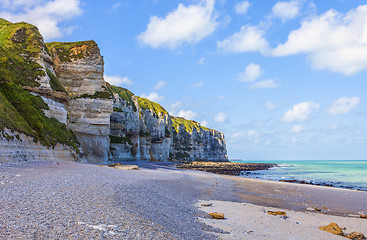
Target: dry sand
248, 221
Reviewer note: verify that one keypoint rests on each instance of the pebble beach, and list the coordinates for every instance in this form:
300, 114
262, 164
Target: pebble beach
55, 200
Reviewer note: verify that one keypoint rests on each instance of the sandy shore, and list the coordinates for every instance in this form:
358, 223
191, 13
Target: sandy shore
43, 200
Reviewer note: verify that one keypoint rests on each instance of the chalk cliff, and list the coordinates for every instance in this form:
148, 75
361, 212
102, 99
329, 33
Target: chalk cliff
79, 68
30, 128
55, 105
141, 129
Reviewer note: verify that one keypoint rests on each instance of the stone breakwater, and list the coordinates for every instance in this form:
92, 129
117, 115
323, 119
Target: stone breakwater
227, 168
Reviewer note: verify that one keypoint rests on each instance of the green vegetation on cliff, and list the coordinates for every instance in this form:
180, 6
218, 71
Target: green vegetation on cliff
19, 43
188, 124
120, 140
54, 82
127, 95
124, 93
20, 110
155, 107
23, 112
70, 51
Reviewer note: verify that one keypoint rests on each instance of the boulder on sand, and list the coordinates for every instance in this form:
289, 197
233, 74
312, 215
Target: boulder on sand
127, 167
217, 215
356, 236
278, 213
332, 228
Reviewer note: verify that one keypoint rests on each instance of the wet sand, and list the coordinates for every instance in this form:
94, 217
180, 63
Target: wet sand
299, 197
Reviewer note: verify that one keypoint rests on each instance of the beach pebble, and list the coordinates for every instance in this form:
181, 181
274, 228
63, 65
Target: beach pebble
363, 216
310, 209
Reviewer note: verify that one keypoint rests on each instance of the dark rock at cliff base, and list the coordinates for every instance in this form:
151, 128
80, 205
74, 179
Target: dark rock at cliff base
227, 168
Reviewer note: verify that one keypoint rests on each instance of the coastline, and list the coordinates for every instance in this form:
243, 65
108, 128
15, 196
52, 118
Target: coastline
76, 200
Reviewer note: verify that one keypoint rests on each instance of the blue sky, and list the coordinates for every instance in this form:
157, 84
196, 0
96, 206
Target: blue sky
281, 79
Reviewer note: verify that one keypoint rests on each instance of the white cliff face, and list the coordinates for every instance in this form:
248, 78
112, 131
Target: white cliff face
146, 134
141, 133
198, 145
81, 75
15, 147
56, 110
81, 72
89, 119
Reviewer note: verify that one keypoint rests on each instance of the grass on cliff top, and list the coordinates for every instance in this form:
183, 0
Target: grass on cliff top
69, 51
19, 42
23, 112
155, 107
123, 93
188, 124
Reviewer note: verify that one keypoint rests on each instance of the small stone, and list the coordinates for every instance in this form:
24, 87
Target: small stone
310, 209
356, 235
318, 209
206, 204
127, 167
363, 216
278, 213
332, 228
217, 215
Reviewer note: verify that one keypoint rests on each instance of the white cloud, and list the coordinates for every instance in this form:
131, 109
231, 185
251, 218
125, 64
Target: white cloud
220, 117
286, 10
343, 105
334, 127
46, 15
175, 105
252, 72
118, 5
300, 112
160, 85
204, 123
153, 96
253, 135
298, 129
199, 84
269, 83
270, 105
332, 41
248, 39
186, 24
118, 80
187, 114
242, 7
201, 61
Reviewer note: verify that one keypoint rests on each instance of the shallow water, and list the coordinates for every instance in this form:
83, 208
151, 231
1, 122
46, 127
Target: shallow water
344, 174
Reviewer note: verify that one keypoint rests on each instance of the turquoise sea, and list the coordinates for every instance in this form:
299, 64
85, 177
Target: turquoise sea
344, 174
